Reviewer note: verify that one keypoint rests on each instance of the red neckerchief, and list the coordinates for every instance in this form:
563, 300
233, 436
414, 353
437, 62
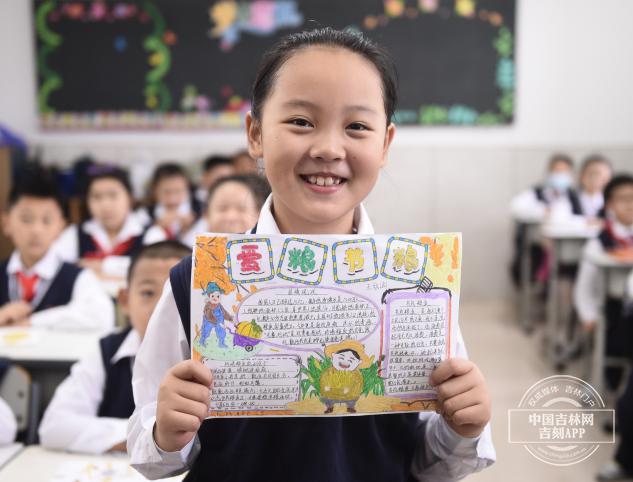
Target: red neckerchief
622, 242
28, 284
121, 249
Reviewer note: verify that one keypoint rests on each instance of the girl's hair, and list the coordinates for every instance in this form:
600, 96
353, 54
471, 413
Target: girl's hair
353, 41
594, 159
164, 171
615, 183
97, 172
256, 184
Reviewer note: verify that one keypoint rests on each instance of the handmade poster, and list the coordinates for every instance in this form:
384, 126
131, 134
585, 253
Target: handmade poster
323, 325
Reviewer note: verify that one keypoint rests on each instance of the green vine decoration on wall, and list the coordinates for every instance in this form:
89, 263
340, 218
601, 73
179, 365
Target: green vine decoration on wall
51, 41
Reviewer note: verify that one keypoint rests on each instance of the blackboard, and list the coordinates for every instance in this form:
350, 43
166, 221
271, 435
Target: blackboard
189, 64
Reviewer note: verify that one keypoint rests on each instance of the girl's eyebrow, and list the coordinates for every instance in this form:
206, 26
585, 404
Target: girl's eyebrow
294, 103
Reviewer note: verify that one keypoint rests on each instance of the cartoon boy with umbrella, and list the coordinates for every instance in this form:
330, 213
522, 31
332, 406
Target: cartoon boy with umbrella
214, 315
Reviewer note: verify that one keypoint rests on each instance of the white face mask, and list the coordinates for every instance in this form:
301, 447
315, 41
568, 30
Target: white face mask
559, 181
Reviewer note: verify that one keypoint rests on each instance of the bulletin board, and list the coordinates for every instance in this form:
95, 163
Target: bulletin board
165, 64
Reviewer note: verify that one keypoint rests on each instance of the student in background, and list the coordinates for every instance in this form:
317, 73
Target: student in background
590, 290
111, 232
324, 139
36, 287
173, 208
595, 173
89, 410
553, 201
213, 168
244, 163
233, 206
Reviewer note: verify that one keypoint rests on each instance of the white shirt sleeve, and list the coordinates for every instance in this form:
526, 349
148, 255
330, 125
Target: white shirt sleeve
443, 454
67, 245
8, 424
589, 289
71, 422
527, 207
158, 354
90, 308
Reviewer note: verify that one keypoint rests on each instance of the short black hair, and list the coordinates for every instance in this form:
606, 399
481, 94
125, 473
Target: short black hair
350, 40
258, 185
215, 161
560, 157
615, 183
97, 172
160, 250
354, 352
38, 182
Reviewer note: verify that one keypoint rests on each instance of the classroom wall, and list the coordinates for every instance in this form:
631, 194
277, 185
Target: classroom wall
574, 93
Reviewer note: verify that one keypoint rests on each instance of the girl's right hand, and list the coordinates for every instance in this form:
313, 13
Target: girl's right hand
183, 404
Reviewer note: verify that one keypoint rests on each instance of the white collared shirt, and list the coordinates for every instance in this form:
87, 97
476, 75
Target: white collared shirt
444, 455
590, 289
67, 245
70, 421
8, 424
527, 207
89, 307
591, 204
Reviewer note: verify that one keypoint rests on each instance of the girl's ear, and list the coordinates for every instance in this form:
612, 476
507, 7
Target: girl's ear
391, 132
254, 134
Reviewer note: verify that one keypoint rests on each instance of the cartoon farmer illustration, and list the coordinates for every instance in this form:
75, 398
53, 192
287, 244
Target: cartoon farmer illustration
343, 381
214, 315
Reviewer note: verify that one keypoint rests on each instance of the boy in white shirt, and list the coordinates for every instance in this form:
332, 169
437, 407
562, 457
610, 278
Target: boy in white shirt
36, 287
89, 410
590, 290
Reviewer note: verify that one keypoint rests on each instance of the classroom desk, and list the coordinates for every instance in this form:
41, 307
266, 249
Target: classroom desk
7, 453
567, 243
46, 354
611, 268
36, 464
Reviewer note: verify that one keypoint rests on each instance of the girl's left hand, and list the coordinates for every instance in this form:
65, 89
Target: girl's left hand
462, 396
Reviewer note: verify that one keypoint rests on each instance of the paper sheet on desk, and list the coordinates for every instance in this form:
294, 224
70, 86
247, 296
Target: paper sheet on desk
323, 325
99, 471
18, 337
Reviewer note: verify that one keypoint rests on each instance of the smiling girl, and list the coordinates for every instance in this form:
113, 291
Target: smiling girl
322, 104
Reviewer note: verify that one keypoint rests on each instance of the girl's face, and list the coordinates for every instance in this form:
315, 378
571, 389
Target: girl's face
323, 137
109, 203
232, 209
595, 177
170, 192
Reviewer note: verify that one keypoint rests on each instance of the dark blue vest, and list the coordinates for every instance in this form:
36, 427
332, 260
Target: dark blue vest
574, 200
87, 245
376, 448
59, 292
118, 400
